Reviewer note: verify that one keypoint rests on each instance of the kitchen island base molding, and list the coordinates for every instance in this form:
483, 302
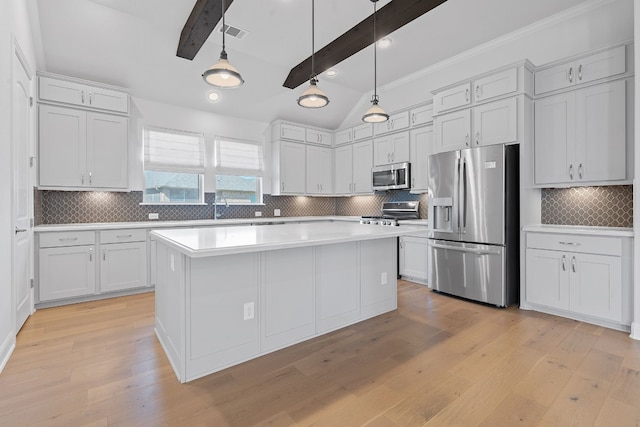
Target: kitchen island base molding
635, 331
218, 311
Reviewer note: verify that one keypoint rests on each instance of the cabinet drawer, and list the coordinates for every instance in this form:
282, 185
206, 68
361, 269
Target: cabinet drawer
67, 238
121, 236
600, 245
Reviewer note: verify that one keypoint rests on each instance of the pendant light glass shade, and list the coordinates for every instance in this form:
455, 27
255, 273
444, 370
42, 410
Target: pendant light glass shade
222, 74
313, 97
375, 114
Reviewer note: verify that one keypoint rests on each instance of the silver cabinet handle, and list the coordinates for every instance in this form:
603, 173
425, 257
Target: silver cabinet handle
564, 263
580, 171
570, 74
466, 139
570, 171
20, 230
124, 236
393, 156
569, 243
466, 94
90, 95
354, 187
413, 182
90, 178
82, 178
413, 118
82, 96
282, 186
477, 137
573, 264
90, 254
477, 91
68, 239
104, 254
580, 72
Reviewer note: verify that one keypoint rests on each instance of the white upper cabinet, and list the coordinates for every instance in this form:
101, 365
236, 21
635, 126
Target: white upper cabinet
494, 85
319, 170
580, 136
286, 131
317, 136
107, 147
343, 162
421, 115
452, 98
396, 122
289, 168
422, 145
362, 131
344, 136
362, 165
495, 122
79, 93
597, 66
391, 149
453, 131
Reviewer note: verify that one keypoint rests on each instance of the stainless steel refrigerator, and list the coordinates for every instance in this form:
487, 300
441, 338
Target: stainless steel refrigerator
474, 211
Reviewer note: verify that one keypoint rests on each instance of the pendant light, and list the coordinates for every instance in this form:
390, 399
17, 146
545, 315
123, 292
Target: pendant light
375, 114
313, 97
222, 74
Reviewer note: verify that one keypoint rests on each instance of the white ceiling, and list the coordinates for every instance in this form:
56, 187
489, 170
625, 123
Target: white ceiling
132, 43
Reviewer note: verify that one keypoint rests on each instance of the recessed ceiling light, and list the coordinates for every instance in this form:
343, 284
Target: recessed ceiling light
384, 43
331, 72
213, 96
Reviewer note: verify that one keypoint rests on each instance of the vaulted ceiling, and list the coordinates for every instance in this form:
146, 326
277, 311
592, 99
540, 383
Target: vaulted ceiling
134, 43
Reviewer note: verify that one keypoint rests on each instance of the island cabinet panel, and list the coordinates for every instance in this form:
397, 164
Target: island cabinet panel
378, 277
222, 308
338, 290
289, 297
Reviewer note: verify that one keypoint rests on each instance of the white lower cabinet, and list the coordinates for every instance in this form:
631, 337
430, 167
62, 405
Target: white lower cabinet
583, 277
413, 258
66, 265
123, 259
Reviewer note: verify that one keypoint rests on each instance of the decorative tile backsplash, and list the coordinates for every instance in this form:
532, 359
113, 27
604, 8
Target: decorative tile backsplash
610, 206
67, 207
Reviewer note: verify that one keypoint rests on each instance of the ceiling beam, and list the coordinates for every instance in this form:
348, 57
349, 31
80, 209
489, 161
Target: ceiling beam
203, 19
389, 18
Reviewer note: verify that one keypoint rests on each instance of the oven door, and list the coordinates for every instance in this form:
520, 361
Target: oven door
468, 270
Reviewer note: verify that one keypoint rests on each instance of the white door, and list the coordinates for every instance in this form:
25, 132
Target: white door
22, 197
547, 278
496, 122
400, 147
452, 131
107, 151
293, 168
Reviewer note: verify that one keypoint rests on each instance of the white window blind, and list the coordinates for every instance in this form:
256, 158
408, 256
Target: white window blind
167, 150
241, 158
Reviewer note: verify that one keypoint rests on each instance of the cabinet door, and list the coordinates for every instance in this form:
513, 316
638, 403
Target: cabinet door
51, 89
495, 122
421, 147
554, 144
452, 131
344, 136
400, 151
449, 99
396, 122
421, 115
601, 137
382, 150
62, 147
378, 272
108, 99
66, 272
123, 266
315, 136
596, 286
500, 83
413, 257
292, 132
601, 65
107, 151
362, 131
547, 278
343, 170
292, 168
319, 170
362, 165
554, 78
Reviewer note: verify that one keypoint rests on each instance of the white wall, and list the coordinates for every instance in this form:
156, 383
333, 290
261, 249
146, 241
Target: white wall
14, 22
591, 25
151, 113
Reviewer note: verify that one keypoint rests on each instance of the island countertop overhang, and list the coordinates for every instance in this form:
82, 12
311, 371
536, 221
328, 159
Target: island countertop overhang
213, 241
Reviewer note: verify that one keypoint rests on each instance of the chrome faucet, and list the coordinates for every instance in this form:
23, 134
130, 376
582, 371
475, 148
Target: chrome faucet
215, 206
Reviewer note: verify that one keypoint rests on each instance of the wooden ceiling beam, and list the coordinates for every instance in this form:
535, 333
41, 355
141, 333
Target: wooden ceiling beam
203, 19
389, 18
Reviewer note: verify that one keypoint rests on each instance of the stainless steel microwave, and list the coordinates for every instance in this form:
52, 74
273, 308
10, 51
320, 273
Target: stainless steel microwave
395, 176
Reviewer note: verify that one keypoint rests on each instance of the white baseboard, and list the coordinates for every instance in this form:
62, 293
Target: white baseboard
635, 331
6, 350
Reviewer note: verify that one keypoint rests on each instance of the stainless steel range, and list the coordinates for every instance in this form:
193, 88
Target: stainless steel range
393, 213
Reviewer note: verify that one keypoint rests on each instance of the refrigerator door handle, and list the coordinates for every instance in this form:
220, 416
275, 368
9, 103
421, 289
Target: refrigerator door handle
463, 197
459, 195
470, 250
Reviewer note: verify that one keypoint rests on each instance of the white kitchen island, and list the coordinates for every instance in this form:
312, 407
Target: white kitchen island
225, 295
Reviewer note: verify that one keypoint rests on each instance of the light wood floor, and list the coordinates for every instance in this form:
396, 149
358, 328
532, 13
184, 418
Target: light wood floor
436, 361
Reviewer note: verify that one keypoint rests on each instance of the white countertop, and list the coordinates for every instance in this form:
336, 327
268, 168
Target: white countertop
580, 229
210, 241
188, 223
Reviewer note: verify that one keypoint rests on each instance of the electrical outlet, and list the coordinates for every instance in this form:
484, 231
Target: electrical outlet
276, 212
383, 278
248, 311
258, 213
154, 216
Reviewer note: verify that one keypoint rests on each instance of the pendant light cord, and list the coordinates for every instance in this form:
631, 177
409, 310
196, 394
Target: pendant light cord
375, 54
313, 32
223, 28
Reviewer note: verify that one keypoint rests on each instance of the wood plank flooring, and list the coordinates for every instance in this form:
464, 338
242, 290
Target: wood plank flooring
436, 361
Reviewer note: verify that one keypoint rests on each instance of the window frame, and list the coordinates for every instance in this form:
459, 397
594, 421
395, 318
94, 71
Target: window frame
220, 199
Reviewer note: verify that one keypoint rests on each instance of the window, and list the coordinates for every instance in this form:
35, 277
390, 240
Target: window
173, 166
239, 169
